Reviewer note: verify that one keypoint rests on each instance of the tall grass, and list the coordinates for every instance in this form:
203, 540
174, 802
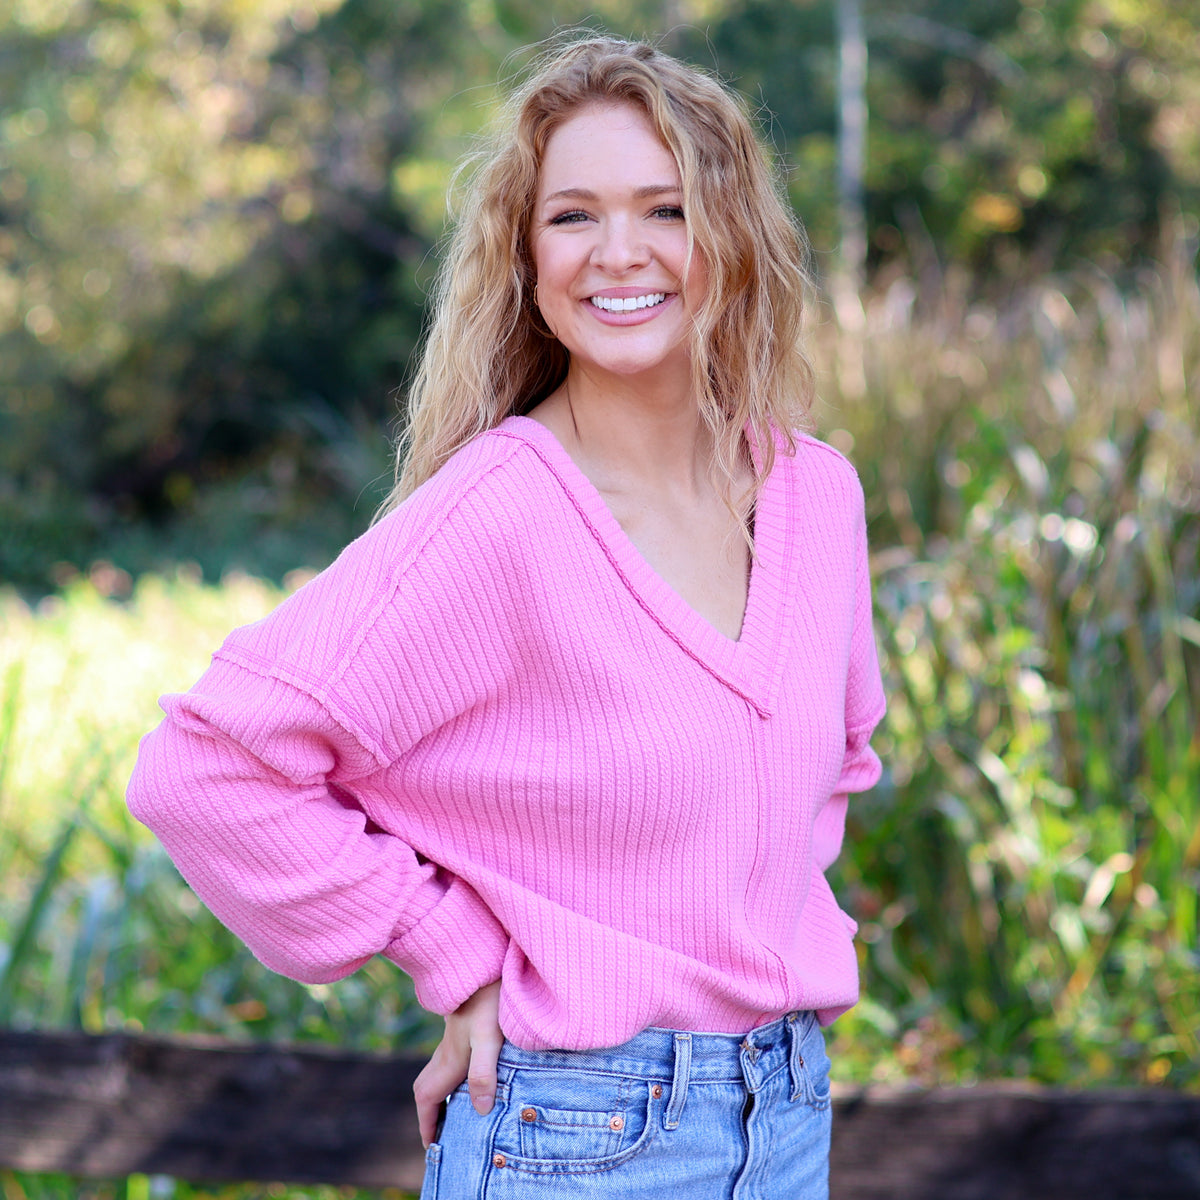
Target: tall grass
97, 930
1030, 866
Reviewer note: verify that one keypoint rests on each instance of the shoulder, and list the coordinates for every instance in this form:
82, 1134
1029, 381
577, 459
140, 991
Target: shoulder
467, 521
479, 500
482, 484
497, 482
818, 475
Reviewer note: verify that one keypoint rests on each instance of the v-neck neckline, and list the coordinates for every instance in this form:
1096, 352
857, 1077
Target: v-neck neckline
752, 664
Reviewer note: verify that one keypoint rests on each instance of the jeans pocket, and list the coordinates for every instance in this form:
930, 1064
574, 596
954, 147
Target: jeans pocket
571, 1133
560, 1122
433, 1163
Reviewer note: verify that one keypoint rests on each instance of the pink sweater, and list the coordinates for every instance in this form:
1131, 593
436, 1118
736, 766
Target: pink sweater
489, 742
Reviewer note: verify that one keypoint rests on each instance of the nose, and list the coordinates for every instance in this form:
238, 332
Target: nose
620, 246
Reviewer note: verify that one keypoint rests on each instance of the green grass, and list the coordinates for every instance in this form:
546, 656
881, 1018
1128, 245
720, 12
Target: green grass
97, 929
18, 1185
1026, 874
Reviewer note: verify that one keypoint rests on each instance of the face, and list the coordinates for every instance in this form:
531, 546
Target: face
609, 245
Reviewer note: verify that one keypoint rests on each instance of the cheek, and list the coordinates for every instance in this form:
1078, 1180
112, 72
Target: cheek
548, 274
537, 254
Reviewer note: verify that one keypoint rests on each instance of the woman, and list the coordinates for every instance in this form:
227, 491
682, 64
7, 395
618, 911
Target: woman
568, 734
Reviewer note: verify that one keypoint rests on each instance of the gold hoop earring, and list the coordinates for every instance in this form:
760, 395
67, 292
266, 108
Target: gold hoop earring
540, 325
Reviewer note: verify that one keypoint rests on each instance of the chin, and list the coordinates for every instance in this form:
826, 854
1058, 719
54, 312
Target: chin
633, 363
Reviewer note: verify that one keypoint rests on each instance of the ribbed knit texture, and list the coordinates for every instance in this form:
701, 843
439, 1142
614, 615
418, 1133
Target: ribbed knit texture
489, 742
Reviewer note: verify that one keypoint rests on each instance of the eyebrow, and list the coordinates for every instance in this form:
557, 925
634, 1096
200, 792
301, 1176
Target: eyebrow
641, 193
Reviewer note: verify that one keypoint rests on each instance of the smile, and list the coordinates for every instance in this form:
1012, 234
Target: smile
628, 303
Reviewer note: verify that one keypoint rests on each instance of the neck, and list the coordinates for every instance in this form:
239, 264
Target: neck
624, 430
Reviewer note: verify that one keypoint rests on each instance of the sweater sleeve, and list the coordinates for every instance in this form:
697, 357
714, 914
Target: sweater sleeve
865, 707
258, 815
251, 781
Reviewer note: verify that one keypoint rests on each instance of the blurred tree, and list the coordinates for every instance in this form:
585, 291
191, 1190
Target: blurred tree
1012, 136
217, 217
203, 252
215, 221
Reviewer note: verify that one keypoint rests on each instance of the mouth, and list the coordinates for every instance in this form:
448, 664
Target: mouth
624, 304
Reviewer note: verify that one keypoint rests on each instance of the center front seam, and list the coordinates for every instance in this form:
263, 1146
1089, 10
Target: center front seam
756, 875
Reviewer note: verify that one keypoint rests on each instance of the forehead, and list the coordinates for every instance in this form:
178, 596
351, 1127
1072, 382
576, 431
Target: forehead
611, 144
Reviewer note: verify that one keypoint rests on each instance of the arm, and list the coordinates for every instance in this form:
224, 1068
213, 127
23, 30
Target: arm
248, 784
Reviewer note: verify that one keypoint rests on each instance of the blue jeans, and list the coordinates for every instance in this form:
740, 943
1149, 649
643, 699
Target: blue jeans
730, 1118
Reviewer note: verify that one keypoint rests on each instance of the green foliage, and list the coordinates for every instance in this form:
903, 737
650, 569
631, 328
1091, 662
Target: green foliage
19, 1185
1029, 868
1018, 136
201, 254
217, 219
97, 929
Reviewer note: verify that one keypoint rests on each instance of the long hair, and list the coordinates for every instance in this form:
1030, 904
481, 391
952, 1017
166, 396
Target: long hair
488, 353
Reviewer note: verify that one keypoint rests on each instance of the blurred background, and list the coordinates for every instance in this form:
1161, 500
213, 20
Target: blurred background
218, 223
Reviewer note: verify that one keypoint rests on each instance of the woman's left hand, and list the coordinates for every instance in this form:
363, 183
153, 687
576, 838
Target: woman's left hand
469, 1049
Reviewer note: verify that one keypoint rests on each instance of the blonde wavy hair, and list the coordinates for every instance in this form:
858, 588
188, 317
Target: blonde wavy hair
488, 354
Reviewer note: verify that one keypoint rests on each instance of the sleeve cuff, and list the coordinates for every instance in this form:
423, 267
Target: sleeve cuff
456, 948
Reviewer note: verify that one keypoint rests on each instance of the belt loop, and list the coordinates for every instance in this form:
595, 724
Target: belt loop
679, 1083
795, 1059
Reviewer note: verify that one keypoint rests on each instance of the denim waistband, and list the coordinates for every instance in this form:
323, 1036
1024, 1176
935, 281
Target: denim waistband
665, 1054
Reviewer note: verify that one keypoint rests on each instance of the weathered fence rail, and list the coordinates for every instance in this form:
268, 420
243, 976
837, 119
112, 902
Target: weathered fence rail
118, 1104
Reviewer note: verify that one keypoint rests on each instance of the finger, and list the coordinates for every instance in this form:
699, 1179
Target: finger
427, 1121
430, 1089
481, 1074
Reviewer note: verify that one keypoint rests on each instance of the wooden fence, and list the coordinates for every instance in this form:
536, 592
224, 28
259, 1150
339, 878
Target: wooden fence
114, 1105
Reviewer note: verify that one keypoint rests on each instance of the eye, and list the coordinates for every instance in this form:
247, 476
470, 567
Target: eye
569, 218
668, 212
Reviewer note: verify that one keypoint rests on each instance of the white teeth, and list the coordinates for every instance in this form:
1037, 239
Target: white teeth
629, 303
